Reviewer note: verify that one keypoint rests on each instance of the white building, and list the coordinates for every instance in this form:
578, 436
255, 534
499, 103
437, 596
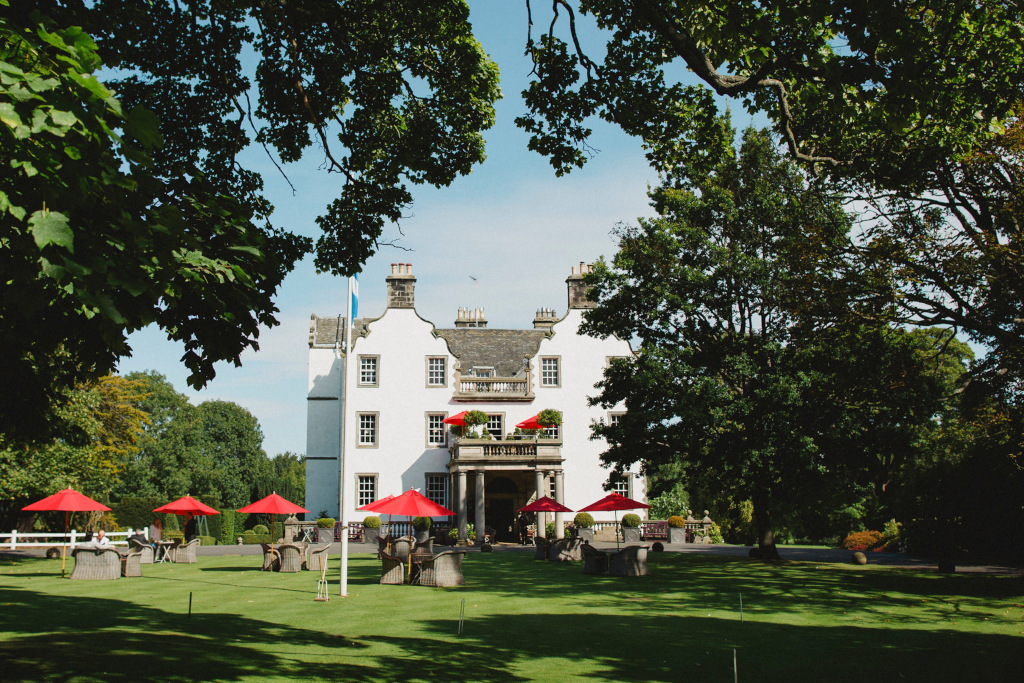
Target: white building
406, 376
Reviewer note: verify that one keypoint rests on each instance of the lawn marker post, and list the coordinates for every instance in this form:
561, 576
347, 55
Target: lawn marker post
741, 608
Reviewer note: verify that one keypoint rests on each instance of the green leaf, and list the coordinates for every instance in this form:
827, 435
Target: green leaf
8, 115
51, 227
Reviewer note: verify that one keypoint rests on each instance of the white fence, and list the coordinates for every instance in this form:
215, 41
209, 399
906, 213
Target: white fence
15, 540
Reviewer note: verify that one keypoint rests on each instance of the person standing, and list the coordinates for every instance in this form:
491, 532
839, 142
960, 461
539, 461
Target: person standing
191, 528
524, 528
156, 531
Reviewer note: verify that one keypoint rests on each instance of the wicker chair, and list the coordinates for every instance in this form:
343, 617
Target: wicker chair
542, 548
293, 557
566, 550
145, 548
316, 556
392, 569
185, 553
131, 562
271, 558
402, 547
594, 560
443, 569
424, 547
96, 563
630, 561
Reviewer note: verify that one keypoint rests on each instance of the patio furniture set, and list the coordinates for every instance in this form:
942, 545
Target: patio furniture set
406, 559
628, 561
294, 557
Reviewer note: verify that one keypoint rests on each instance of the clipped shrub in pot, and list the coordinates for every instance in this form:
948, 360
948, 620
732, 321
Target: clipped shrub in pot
676, 529
631, 528
371, 529
421, 527
584, 523
325, 529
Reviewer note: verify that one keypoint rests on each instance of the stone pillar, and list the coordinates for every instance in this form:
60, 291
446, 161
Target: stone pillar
541, 517
461, 499
559, 496
480, 522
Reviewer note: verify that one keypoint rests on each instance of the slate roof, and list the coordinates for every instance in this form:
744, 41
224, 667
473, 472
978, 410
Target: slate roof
325, 330
503, 350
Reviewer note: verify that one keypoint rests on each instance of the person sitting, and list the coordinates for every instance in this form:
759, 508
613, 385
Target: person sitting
100, 540
156, 530
191, 529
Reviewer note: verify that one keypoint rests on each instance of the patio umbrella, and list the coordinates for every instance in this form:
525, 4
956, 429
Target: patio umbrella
458, 419
187, 506
66, 501
372, 507
544, 504
273, 505
414, 504
614, 502
531, 423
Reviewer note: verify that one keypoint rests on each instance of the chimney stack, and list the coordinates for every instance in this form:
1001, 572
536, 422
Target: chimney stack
544, 319
578, 290
401, 286
471, 317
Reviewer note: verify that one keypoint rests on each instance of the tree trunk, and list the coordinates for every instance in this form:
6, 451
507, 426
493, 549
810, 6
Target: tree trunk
763, 523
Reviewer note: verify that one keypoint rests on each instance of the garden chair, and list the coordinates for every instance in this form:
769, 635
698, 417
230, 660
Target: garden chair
594, 561
402, 547
147, 551
185, 553
566, 550
392, 569
271, 558
425, 547
131, 562
293, 558
443, 569
542, 548
630, 561
96, 563
317, 557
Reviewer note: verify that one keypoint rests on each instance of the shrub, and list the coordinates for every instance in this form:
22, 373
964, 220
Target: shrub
486, 548
472, 418
227, 527
207, 540
715, 533
550, 529
250, 537
137, 513
325, 522
260, 529
671, 502
892, 530
421, 523
631, 520
583, 520
549, 417
371, 522
864, 540
453, 533
676, 521
859, 558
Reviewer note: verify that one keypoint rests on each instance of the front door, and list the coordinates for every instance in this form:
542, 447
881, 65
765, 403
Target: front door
500, 515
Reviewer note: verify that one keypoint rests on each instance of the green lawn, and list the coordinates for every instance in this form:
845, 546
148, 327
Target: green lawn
524, 620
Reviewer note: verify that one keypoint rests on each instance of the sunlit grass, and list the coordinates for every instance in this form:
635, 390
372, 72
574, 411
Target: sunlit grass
524, 620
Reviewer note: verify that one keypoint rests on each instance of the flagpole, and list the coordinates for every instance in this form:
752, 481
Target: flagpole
342, 476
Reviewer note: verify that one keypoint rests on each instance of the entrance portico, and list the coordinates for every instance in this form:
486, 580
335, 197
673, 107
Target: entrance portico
506, 475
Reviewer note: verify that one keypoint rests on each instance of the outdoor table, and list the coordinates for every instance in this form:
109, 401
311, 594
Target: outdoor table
415, 560
162, 549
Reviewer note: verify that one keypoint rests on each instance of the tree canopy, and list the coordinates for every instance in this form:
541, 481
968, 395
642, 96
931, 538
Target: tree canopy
118, 212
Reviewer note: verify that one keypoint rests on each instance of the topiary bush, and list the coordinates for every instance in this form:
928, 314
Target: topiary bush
421, 523
250, 537
583, 520
371, 522
631, 521
677, 522
325, 522
207, 540
260, 529
549, 417
864, 540
227, 527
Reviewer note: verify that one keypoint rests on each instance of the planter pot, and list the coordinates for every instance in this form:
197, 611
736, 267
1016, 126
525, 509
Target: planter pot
630, 534
676, 534
370, 535
325, 535
585, 534
421, 536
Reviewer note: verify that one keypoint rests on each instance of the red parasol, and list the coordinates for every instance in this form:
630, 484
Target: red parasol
372, 507
544, 504
614, 502
66, 501
187, 505
273, 505
531, 423
412, 503
458, 420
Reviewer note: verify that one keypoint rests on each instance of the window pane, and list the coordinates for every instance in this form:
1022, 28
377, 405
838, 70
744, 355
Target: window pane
436, 371
436, 430
495, 425
621, 487
366, 489
437, 488
367, 430
367, 370
549, 372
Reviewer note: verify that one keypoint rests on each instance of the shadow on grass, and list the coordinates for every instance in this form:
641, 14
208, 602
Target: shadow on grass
529, 619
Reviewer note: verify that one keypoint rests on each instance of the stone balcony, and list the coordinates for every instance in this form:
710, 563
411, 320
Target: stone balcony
514, 453
505, 389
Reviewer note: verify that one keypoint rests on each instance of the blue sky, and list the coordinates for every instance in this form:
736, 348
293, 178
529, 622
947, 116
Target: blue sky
511, 224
